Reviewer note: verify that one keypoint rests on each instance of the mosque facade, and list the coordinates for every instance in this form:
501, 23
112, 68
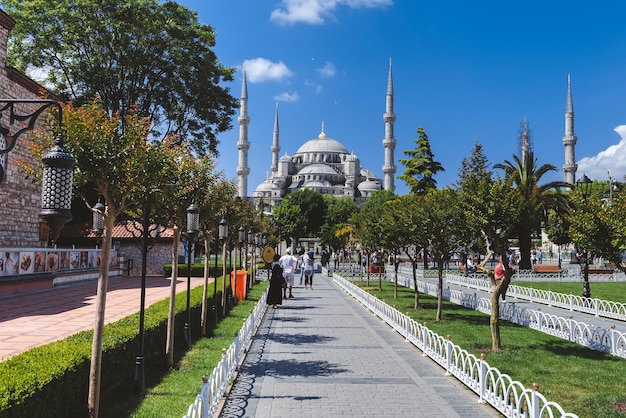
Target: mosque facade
322, 164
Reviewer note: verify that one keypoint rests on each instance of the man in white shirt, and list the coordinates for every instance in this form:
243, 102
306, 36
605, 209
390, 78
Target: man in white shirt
288, 262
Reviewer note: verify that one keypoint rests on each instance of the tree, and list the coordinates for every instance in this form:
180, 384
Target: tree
600, 226
313, 208
476, 166
289, 221
444, 225
145, 53
114, 155
526, 175
338, 213
473, 169
421, 166
492, 209
413, 230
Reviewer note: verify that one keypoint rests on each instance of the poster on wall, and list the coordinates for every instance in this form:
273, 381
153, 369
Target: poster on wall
1, 263
40, 262
52, 261
27, 264
74, 259
64, 261
11, 263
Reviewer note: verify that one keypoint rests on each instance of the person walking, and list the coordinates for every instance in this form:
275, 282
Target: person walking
308, 260
277, 283
288, 262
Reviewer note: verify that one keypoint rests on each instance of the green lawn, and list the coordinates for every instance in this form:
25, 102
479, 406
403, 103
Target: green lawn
582, 381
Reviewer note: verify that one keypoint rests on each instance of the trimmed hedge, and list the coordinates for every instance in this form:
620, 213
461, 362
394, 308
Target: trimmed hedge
53, 380
197, 270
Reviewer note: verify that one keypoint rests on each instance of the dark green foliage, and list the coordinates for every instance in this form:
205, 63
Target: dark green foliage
146, 53
421, 166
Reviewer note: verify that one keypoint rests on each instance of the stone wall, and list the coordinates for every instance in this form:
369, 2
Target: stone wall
20, 197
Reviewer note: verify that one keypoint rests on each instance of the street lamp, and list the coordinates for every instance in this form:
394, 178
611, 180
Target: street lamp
250, 247
242, 238
58, 163
584, 185
223, 235
193, 226
97, 226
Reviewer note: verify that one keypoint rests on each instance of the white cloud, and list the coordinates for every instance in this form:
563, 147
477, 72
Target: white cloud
287, 97
315, 12
259, 70
316, 87
328, 70
613, 158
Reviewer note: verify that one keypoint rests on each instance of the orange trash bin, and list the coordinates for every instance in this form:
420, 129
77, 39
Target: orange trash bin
240, 284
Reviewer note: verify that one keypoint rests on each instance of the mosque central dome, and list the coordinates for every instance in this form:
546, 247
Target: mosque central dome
322, 144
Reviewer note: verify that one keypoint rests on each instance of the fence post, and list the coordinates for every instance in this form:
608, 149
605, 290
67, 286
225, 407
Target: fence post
534, 409
613, 340
424, 340
482, 379
204, 393
448, 355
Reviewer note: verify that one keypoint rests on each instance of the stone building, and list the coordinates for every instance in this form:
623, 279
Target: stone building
20, 197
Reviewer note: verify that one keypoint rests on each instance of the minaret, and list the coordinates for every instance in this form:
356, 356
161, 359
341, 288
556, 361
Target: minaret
243, 145
275, 145
389, 142
569, 139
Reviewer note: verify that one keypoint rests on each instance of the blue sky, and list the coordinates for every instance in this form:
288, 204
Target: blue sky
465, 71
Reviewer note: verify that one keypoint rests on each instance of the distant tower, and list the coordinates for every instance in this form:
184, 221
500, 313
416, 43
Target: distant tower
243, 145
275, 145
524, 139
569, 139
389, 142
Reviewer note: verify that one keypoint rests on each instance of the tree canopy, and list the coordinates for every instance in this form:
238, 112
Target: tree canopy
145, 53
421, 166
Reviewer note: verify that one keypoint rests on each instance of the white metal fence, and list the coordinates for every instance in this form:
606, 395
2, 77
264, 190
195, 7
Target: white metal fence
593, 337
214, 386
509, 397
595, 306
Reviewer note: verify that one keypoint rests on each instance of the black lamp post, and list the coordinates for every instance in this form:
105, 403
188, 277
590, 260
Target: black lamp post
584, 185
242, 238
250, 247
58, 164
223, 236
193, 226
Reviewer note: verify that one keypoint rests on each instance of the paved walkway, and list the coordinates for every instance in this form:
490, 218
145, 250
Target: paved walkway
323, 354
31, 319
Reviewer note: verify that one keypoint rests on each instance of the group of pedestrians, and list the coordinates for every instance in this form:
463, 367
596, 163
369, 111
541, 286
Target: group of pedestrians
283, 276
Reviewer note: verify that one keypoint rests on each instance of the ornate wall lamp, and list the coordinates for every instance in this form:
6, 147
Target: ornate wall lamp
58, 163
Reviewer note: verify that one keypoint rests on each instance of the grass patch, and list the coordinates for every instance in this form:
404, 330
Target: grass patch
170, 392
613, 291
585, 382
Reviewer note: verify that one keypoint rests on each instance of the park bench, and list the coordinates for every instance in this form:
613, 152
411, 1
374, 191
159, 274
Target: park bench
546, 269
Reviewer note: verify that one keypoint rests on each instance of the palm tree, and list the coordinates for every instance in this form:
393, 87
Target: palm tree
526, 175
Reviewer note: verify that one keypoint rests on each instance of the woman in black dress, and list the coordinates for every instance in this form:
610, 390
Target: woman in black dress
277, 281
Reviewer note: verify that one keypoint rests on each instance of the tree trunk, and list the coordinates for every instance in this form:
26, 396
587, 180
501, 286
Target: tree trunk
416, 304
395, 284
171, 314
224, 280
93, 400
494, 320
205, 292
439, 290
525, 247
